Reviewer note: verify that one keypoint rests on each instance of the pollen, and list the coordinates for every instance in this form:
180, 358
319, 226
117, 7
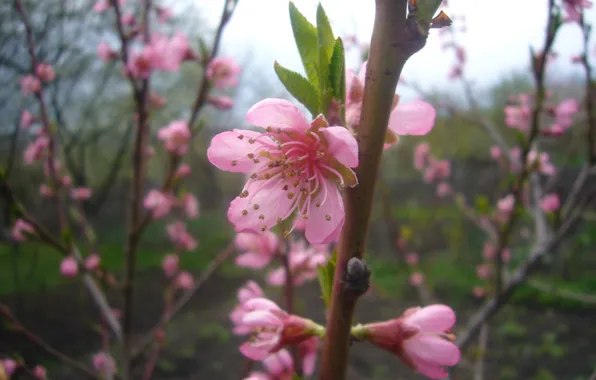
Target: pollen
254, 176
250, 155
252, 141
285, 187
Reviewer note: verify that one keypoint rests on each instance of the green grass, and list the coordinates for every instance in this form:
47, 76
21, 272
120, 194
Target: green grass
33, 267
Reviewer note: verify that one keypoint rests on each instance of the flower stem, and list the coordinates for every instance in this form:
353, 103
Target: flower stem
394, 40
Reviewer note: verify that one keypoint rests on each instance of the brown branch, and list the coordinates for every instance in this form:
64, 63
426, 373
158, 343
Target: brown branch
519, 277
393, 42
18, 326
146, 341
481, 353
590, 101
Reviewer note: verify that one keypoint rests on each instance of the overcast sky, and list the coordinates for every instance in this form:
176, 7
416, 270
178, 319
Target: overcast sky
497, 38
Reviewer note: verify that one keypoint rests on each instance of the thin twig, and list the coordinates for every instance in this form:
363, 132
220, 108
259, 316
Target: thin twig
18, 326
146, 341
481, 353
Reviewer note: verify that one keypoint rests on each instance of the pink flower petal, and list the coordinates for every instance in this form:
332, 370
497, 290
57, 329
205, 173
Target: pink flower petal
261, 318
254, 353
413, 118
252, 260
433, 349
325, 222
229, 150
433, 318
261, 209
277, 113
430, 370
342, 145
261, 304
276, 277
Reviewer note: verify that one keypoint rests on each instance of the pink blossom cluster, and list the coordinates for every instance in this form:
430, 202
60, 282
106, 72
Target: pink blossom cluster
273, 329
485, 270
421, 338
519, 114
575, 8
434, 170
8, 367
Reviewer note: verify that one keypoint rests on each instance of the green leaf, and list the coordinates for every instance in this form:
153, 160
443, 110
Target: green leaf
326, 42
296, 377
306, 38
326, 273
299, 87
337, 74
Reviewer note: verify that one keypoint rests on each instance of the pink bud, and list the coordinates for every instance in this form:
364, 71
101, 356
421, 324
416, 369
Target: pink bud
221, 102
223, 72
104, 364
80, 193
495, 152
191, 206
40, 372
26, 120
69, 267
412, 258
9, 366
182, 171
550, 202
45, 72
105, 52
416, 279
46, 191
443, 189
185, 280
170, 264
21, 229
478, 291
92, 262
175, 137
30, 85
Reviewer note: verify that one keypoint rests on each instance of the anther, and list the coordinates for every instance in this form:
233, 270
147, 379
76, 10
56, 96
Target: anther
234, 163
240, 137
256, 206
328, 217
244, 212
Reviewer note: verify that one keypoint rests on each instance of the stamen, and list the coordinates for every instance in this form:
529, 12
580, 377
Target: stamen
256, 207
244, 212
234, 162
328, 217
240, 137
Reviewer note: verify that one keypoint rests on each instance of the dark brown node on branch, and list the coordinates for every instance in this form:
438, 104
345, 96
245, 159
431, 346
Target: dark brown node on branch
356, 276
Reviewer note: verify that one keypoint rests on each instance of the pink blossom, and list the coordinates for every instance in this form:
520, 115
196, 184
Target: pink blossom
443, 189
412, 258
9, 366
223, 72
46, 191
168, 53
542, 161
505, 205
249, 291
80, 193
495, 152
279, 366
66, 180
69, 267
518, 116
437, 169
104, 363
221, 102
175, 137
488, 251
478, 291
550, 202
182, 171
421, 155
506, 255
416, 279
420, 338
105, 52
295, 166
185, 280
307, 351
179, 236
574, 9
413, 118
30, 84
40, 372
274, 328
45, 72
303, 263
564, 113
92, 262
191, 206
21, 229
483, 271
258, 249
26, 120
140, 64
169, 264
159, 203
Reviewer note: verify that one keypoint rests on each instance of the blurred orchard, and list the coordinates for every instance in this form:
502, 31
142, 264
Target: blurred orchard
251, 189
